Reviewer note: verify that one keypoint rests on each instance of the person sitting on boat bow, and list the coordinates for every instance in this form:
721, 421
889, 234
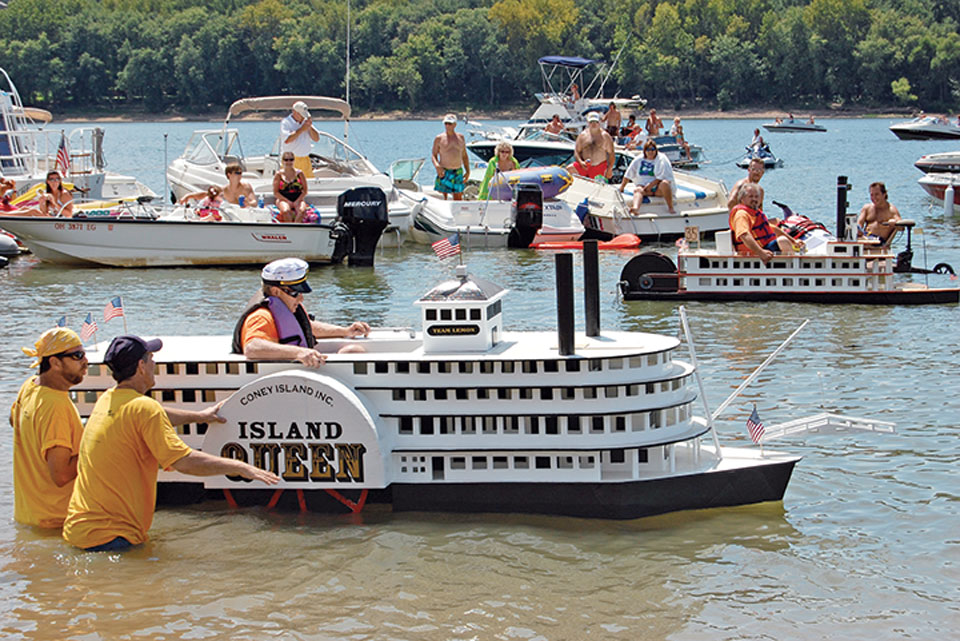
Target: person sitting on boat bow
54, 200
593, 152
8, 190
677, 131
277, 327
208, 208
290, 191
753, 232
653, 176
502, 161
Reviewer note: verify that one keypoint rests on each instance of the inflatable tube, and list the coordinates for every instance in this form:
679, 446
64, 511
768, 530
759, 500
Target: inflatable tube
553, 181
623, 241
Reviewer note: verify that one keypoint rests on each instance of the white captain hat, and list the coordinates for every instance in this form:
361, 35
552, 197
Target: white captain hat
287, 272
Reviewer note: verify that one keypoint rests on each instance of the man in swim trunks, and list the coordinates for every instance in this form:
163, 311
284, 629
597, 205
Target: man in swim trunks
755, 172
612, 120
593, 153
878, 217
753, 233
654, 124
450, 160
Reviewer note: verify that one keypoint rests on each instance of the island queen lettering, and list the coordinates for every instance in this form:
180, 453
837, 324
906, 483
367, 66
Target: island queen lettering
308, 429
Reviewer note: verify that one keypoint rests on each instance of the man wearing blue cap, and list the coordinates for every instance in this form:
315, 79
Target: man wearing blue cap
277, 327
127, 438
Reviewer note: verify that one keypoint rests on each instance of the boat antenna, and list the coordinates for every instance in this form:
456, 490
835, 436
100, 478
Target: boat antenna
696, 373
166, 179
612, 66
348, 55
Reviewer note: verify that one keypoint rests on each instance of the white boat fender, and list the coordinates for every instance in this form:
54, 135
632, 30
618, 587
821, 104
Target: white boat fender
948, 199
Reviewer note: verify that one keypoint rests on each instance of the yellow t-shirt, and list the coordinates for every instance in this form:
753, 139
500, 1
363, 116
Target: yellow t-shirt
127, 438
42, 418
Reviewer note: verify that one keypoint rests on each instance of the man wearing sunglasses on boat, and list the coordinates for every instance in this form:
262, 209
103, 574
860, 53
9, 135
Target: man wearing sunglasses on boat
47, 430
276, 326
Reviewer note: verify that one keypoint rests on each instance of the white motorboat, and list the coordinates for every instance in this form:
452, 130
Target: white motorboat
793, 126
699, 202
28, 151
926, 128
938, 184
337, 167
527, 218
138, 234
947, 162
462, 416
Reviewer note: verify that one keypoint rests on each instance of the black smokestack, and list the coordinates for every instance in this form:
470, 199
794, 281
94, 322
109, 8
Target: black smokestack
564, 266
591, 286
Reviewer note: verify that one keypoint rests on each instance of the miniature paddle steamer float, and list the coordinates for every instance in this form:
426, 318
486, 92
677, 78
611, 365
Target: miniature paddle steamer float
465, 417
841, 269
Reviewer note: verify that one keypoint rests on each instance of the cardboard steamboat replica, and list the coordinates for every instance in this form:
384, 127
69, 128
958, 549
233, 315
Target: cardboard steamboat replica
833, 269
464, 417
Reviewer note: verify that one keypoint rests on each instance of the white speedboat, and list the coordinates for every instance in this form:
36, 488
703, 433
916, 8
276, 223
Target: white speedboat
926, 128
793, 126
337, 167
937, 185
947, 162
28, 151
138, 234
699, 202
462, 416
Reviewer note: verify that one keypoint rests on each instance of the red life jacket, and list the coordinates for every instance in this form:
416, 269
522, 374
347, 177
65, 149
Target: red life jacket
760, 230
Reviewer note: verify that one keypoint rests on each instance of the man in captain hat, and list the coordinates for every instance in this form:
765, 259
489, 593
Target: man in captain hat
47, 430
297, 132
277, 326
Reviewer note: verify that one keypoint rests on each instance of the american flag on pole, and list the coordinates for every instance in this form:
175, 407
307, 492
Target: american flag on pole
63, 158
755, 426
113, 309
89, 327
447, 247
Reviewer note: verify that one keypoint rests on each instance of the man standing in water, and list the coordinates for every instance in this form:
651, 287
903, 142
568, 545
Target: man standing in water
755, 172
593, 152
878, 217
450, 160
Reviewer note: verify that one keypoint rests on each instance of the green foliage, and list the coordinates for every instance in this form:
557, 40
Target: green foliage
428, 54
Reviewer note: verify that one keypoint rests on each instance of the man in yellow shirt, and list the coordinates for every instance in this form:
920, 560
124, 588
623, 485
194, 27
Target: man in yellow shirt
47, 430
128, 436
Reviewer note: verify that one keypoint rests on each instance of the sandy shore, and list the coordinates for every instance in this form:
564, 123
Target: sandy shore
514, 113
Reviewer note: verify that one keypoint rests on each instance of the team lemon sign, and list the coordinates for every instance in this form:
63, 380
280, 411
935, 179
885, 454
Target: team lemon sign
309, 429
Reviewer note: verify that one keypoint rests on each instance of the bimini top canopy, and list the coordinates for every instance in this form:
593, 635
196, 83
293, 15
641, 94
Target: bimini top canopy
35, 113
567, 61
285, 103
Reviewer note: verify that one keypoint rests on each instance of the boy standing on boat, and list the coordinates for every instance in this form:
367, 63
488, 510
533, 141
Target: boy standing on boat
877, 217
127, 438
593, 152
450, 160
297, 131
277, 326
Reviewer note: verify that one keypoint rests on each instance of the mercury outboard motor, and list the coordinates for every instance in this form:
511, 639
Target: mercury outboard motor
363, 212
527, 215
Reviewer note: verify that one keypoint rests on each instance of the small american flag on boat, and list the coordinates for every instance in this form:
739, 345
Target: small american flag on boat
755, 426
89, 328
113, 309
63, 158
447, 247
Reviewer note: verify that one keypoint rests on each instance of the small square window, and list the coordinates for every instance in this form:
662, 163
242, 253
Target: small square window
478, 462
431, 314
461, 314
475, 315
380, 367
446, 314
542, 462
572, 365
359, 368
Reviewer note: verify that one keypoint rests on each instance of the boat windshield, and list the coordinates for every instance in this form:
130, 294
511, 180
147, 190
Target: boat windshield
334, 151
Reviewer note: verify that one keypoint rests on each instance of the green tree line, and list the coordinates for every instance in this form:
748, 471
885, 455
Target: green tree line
187, 55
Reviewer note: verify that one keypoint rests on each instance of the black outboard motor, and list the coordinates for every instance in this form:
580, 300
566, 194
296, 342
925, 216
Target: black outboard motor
527, 215
363, 212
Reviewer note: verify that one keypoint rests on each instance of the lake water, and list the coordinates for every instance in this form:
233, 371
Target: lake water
864, 544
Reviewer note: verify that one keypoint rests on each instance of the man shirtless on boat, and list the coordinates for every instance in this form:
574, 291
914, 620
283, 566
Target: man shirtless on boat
754, 173
450, 160
654, 124
593, 153
612, 120
878, 217
753, 233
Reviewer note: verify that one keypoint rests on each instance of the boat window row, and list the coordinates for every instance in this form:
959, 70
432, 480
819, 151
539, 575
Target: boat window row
859, 265
550, 425
482, 462
537, 393
779, 282
362, 368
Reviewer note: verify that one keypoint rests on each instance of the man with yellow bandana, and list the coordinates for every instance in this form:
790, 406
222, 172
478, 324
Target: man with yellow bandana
47, 430
127, 438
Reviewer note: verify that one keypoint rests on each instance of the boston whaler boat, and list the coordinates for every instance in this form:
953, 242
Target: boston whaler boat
840, 269
464, 417
139, 234
337, 167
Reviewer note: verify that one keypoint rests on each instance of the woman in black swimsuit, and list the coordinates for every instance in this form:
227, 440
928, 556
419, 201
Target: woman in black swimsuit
290, 191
